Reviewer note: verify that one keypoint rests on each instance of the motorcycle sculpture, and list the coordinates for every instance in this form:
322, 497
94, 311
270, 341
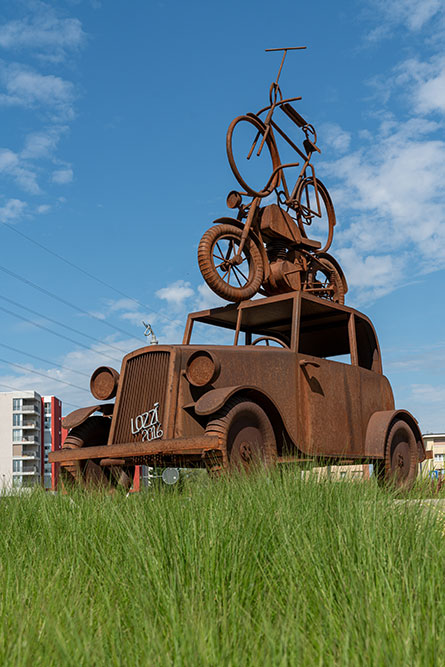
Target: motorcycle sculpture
265, 248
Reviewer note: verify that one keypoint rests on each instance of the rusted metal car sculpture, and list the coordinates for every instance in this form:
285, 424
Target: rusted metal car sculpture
266, 248
300, 379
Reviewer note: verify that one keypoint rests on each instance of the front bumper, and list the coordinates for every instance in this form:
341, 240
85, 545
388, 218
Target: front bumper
195, 450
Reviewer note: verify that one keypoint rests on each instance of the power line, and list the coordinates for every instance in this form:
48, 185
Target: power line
64, 301
60, 324
3, 384
86, 273
48, 377
55, 333
45, 361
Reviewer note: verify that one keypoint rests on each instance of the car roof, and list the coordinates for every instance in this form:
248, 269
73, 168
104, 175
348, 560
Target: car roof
272, 312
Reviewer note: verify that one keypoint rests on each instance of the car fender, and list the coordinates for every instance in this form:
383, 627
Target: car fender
215, 399
378, 429
260, 245
77, 417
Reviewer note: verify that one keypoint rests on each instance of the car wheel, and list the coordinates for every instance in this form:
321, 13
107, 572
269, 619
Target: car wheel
247, 434
401, 455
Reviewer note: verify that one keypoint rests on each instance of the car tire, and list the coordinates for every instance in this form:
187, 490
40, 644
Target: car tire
247, 434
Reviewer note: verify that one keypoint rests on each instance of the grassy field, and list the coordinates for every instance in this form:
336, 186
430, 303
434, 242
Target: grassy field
265, 571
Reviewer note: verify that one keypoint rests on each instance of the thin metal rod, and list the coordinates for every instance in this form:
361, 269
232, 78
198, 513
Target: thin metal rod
288, 48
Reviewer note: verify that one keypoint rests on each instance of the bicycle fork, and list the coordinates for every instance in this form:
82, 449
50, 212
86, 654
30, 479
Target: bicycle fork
245, 233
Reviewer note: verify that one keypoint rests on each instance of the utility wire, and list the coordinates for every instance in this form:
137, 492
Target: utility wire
55, 333
3, 384
87, 273
64, 301
45, 361
48, 377
61, 324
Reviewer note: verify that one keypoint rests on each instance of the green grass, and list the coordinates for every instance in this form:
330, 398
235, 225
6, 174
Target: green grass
264, 571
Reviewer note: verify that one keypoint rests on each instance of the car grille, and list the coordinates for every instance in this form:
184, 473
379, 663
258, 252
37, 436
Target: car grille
144, 384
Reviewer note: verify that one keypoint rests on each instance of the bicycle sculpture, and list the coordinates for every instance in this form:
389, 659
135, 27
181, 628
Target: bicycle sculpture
265, 248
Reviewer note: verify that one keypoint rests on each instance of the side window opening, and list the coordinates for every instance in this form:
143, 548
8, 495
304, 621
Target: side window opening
367, 347
324, 332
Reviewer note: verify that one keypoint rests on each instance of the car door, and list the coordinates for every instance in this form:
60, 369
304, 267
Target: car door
329, 390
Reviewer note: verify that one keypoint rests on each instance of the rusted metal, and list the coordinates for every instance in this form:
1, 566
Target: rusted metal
196, 446
303, 378
310, 368
104, 382
79, 416
235, 265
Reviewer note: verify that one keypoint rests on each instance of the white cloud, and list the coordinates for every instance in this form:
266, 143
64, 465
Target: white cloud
12, 210
43, 208
62, 176
390, 204
208, 299
411, 14
176, 293
424, 83
42, 144
427, 393
333, 135
26, 87
43, 32
11, 165
77, 360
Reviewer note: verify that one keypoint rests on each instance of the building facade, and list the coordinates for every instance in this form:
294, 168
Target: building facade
30, 427
434, 467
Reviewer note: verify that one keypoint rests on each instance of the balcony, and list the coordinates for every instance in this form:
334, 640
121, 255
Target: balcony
26, 438
28, 472
28, 408
31, 454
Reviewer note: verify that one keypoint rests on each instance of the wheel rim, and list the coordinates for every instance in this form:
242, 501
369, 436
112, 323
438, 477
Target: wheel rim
400, 462
321, 222
401, 456
245, 150
322, 285
246, 445
224, 251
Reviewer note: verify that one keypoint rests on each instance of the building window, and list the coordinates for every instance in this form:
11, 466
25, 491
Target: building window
47, 422
47, 408
17, 466
17, 434
439, 457
17, 403
17, 420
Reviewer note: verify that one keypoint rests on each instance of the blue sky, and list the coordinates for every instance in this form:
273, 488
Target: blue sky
112, 157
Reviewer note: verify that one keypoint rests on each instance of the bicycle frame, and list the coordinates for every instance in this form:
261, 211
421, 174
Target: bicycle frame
274, 93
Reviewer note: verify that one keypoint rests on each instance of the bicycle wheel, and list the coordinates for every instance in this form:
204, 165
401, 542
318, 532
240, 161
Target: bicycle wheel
317, 212
323, 280
249, 131
216, 251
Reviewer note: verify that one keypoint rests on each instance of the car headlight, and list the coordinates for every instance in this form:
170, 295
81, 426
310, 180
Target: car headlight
103, 383
203, 368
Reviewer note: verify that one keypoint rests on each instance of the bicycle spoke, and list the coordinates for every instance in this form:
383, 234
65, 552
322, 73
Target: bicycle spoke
229, 249
222, 254
235, 273
239, 270
225, 274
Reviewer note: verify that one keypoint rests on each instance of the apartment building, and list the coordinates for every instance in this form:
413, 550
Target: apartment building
30, 427
434, 467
